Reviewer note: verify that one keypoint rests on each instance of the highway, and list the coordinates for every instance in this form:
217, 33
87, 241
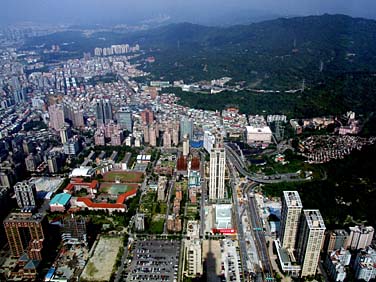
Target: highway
240, 228
259, 236
276, 178
255, 223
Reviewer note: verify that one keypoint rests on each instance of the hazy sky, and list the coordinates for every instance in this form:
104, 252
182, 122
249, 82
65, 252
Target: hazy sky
108, 11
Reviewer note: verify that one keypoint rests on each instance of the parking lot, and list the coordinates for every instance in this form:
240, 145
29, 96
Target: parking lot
154, 260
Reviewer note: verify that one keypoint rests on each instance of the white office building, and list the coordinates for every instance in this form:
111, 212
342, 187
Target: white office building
290, 216
217, 171
311, 236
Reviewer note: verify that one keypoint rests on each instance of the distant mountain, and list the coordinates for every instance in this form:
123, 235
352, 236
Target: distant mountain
275, 53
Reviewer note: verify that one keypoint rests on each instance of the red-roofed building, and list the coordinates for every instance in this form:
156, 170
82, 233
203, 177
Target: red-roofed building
78, 184
118, 206
195, 163
182, 163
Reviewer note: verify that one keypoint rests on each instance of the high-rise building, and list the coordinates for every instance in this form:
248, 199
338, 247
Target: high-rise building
360, 237
175, 133
107, 110
74, 113
217, 170
209, 140
65, 133
72, 147
26, 233
185, 145
103, 111
25, 194
311, 236
117, 138
32, 162
56, 113
335, 240
125, 120
147, 116
54, 162
186, 128
166, 139
99, 138
290, 217
153, 134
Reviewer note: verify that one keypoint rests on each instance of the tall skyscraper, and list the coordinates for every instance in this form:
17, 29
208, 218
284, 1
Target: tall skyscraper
56, 113
99, 113
290, 217
311, 236
103, 111
25, 194
26, 233
125, 120
217, 170
107, 110
18, 90
186, 128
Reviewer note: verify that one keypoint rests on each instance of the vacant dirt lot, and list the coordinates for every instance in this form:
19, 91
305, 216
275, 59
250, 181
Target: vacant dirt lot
100, 265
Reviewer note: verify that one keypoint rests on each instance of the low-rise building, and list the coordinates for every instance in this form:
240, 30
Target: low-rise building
258, 134
60, 203
365, 265
336, 262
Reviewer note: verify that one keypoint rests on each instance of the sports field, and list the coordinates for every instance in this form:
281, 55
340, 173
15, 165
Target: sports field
115, 189
123, 176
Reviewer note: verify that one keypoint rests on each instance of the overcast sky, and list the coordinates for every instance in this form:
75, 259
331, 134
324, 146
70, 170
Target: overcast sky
128, 11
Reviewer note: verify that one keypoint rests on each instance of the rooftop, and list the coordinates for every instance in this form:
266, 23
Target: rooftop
253, 129
25, 217
60, 199
82, 171
292, 199
314, 219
